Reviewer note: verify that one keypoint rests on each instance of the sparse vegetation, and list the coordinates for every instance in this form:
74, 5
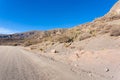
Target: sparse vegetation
64, 39
84, 36
41, 49
67, 44
32, 48
28, 43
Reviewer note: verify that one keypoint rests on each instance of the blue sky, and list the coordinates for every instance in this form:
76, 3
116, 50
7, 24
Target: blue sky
27, 15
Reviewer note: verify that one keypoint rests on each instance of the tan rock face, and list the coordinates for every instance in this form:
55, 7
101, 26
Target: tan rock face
115, 9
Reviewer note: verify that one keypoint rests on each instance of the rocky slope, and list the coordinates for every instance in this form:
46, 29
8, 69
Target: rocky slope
108, 24
115, 9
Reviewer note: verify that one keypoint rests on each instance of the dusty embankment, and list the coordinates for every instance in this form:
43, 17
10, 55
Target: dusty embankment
98, 57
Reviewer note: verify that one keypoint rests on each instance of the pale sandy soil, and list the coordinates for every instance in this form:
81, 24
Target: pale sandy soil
18, 64
96, 58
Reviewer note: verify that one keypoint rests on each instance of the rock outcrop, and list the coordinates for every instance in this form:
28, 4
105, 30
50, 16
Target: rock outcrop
115, 10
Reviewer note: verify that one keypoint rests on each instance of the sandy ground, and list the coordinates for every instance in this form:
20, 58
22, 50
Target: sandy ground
98, 62
91, 65
95, 58
18, 64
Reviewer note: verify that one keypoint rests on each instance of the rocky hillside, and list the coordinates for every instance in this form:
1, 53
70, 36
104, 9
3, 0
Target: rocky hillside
108, 24
115, 9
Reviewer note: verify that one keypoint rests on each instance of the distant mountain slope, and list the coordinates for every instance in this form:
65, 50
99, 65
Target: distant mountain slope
28, 37
20, 35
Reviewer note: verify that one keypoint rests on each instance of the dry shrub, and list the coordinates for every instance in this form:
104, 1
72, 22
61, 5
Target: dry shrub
64, 39
67, 44
105, 29
15, 44
41, 49
27, 43
32, 48
84, 36
115, 31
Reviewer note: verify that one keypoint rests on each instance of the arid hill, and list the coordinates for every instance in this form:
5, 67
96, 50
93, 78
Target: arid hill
108, 24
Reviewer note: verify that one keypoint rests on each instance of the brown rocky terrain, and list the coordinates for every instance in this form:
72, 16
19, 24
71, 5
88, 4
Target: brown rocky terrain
108, 24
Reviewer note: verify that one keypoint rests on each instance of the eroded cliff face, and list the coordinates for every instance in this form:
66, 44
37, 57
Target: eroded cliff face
115, 10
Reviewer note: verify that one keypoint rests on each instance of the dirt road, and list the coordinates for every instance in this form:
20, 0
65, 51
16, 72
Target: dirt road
18, 64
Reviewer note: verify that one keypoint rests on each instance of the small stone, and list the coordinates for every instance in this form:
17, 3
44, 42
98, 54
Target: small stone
82, 51
75, 65
90, 74
107, 70
53, 51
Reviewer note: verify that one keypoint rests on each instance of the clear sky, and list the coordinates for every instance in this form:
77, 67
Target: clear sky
27, 15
